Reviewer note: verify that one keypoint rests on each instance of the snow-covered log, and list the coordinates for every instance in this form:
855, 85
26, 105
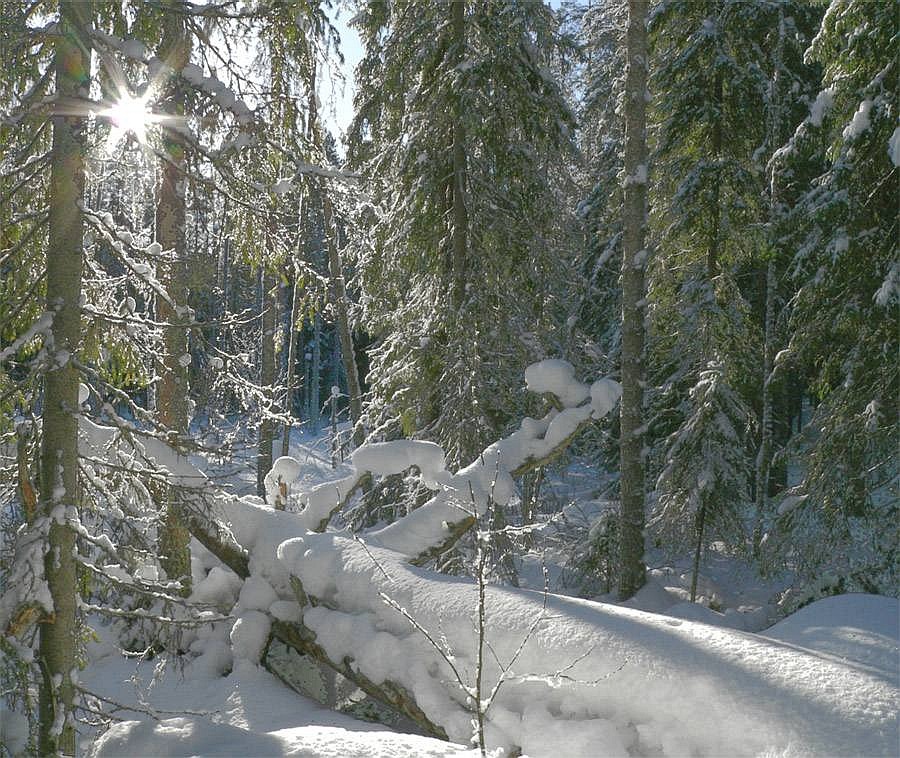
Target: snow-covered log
600, 679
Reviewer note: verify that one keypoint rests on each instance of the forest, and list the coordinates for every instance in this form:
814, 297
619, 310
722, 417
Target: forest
418, 378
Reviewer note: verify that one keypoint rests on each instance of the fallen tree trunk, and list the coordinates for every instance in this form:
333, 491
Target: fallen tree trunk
251, 539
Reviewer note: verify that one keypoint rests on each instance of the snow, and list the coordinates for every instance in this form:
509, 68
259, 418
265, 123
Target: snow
249, 636
570, 677
282, 186
860, 121
605, 393
15, 730
894, 147
386, 458
285, 470
217, 588
246, 713
821, 105
556, 377
854, 628
634, 681
181, 736
638, 177
889, 290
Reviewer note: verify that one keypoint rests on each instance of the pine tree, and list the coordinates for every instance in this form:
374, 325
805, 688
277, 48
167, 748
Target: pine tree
791, 82
601, 141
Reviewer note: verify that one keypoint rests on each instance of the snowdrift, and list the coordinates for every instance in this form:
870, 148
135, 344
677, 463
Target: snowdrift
559, 675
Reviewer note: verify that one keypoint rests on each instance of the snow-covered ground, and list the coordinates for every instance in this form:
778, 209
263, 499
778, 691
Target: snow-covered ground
245, 713
822, 682
562, 676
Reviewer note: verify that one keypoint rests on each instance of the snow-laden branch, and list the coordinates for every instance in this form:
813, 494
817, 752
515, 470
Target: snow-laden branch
446, 515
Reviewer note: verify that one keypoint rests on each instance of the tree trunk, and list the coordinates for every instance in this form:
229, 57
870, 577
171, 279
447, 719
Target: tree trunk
342, 318
338, 285
172, 389
460, 231
269, 319
59, 442
767, 424
291, 369
701, 523
634, 256
712, 252
292, 331
764, 454
315, 401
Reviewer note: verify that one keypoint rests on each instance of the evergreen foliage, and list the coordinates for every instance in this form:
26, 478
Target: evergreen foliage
454, 331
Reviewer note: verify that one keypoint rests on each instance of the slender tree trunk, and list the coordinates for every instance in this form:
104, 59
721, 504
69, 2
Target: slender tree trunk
292, 330
712, 252
634, 258
269, 320
701, 523
338, 286
764, 454
59, 441
460, 231
767, 422
291, 363
314, 395
342, 319
172, 389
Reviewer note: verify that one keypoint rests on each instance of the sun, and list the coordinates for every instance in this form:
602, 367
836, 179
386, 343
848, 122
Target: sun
128, 115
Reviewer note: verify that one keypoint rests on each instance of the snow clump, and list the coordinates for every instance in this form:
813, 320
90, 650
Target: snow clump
557, 377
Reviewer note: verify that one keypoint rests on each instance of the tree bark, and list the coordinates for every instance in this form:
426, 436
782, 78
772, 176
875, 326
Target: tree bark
172, 389
342, 317
59, 442
698, 550
713, 249
338, 284
767, 424
269, 319
634, 255
291, 371
460, 231
315, 402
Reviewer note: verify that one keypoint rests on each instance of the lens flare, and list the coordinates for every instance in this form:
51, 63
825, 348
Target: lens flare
128, 115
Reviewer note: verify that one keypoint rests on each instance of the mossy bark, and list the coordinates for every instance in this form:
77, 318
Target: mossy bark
59, 442
173, 389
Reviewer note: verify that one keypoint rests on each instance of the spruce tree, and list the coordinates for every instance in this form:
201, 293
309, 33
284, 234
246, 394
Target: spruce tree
842, 516
711, 68
456, 119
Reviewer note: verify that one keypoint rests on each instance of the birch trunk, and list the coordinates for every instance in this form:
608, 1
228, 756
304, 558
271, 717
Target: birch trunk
59, 442
172, 389
634, 255
315, 402
292, 330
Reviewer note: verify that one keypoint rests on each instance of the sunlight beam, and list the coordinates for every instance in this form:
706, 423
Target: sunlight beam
128, 115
